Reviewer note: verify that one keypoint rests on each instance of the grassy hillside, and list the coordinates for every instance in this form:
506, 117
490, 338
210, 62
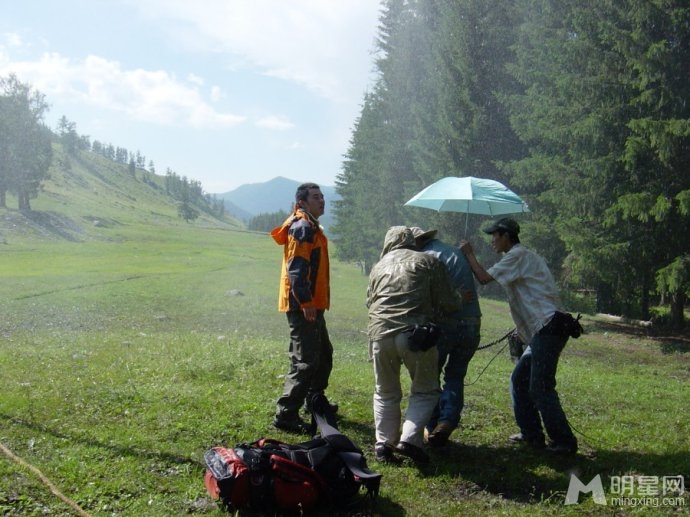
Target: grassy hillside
129, 348
90, 197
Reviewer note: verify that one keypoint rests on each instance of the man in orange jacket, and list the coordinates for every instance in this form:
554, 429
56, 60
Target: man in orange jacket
304, 296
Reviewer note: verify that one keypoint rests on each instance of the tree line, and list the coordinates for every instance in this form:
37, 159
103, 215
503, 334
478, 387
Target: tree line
265, 222
26, 154
580, 107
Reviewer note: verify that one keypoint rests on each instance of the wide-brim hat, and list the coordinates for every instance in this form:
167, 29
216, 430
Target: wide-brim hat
418, 233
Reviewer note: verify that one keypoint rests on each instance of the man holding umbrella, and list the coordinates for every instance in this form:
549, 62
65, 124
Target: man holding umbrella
535, 307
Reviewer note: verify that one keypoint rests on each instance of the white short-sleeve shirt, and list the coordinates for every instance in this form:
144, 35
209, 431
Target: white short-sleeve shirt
532, 292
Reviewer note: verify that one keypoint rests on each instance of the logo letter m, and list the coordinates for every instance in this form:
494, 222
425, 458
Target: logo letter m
576, 487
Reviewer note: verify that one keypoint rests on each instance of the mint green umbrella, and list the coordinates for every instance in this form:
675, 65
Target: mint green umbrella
469, 195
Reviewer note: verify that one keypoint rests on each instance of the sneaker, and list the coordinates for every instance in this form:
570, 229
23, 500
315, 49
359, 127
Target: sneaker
383, 453
564, 449
294, 425
439, 436
536, 443
413, 452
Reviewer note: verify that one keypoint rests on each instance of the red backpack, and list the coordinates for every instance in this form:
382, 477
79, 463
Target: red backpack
270, 475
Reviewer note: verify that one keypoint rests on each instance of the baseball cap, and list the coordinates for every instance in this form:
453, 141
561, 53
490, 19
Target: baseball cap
506, 224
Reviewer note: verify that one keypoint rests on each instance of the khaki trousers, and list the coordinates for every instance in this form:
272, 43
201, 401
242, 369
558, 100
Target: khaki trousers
388, 355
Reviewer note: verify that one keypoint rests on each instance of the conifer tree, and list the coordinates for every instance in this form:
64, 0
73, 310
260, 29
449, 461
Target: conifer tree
25, 142
605, 120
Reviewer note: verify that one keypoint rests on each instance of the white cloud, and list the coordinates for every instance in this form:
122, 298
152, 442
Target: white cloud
298, 70
308, 42
12, 39
195, 79
275, 123
144, 95
216, 93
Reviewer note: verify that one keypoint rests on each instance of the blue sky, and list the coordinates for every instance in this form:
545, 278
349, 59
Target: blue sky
225, 92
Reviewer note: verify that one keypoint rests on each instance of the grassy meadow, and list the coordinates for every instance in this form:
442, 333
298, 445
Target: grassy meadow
125, 356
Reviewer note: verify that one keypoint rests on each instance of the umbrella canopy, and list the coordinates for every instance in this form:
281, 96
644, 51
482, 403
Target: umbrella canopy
469, 195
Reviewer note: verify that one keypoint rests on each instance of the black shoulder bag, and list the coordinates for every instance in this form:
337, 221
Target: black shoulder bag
422, 337
564, 324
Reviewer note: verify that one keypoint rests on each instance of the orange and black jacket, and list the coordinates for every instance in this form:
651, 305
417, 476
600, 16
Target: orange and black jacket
304, 277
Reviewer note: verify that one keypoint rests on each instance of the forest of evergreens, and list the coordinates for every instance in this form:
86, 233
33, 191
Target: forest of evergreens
580, 107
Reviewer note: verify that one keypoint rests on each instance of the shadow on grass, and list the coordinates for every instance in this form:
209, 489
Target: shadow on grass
117, 450
668, 342
525, 475
673, 344
362, 506
379, 507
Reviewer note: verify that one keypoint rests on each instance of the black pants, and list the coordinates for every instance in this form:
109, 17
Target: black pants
311, 362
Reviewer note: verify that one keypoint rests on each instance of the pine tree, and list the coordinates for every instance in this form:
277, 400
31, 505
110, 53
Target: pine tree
605, 120
25, 142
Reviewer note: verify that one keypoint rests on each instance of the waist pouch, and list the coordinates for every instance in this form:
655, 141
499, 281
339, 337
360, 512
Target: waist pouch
422, 337
563, 324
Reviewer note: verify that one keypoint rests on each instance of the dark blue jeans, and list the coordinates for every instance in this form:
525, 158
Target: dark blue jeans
533, 391
455, 351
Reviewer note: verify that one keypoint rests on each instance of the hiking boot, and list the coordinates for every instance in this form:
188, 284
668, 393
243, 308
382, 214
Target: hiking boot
563, 449
535, 443
439, 436
383, 453
413, 452
291, 425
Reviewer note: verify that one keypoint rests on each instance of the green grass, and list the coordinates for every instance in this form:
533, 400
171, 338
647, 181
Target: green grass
125, 356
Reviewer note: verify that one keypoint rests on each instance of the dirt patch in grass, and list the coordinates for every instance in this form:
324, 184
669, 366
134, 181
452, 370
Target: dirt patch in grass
40, 224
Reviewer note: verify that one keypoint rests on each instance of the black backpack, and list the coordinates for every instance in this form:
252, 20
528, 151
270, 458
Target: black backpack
269, 475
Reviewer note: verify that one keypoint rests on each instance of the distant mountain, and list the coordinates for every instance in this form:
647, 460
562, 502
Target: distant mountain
252, 199
235, 211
